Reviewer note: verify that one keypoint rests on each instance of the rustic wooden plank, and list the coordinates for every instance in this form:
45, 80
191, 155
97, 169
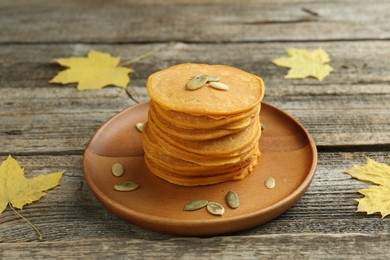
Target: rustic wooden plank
356, 64
360, 67
350, 107
301, 246
49, 123
70, 212
47, 120
183, 20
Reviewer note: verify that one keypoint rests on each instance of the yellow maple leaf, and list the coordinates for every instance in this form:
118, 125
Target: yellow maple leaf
376, 198
17, 190
94, 72
304, 63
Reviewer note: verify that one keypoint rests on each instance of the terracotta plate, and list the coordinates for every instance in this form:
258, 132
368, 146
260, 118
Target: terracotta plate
289, 156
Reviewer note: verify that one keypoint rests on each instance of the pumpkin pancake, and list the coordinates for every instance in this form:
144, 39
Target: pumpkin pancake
229, 144
199, 180
186, 120
167, 88
240, 124
197, 134
194, 134
176, 151
167, 148
185, 167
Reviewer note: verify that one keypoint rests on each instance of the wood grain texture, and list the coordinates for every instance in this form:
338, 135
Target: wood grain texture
189, 21
46, 127
349, 108
65, 125
295, 246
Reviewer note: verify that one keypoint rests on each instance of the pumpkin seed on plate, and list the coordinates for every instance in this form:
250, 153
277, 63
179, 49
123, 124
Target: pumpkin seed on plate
215, 208
195, 205
232, 199
126, 186
117, 169
139, 126
270, 183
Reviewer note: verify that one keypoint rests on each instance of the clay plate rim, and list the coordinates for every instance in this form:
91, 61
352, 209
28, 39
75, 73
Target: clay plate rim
209, 226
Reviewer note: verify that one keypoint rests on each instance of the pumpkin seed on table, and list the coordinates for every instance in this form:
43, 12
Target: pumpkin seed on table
232, 199
215, 208
139, 126
126, 186
117, 169
195, 205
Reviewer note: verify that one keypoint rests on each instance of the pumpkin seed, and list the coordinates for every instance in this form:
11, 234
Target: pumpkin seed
197, 81
195, 205
215, 208
126, 186
270, 183
218, 85
262, 126
232, 199
211, 77
117, 169
139, 126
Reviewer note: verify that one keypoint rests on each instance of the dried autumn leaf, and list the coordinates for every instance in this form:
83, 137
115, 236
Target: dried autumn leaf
94, 72
304, 63
17, 190
376, 198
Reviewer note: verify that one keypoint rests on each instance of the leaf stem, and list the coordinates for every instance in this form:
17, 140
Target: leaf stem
40, 236
143, 56
146, 54
129, 91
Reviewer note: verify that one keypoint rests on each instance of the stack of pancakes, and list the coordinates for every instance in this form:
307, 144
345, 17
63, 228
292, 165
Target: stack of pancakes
203, 136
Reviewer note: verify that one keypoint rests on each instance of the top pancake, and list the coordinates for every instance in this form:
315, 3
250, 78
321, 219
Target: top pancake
168, 89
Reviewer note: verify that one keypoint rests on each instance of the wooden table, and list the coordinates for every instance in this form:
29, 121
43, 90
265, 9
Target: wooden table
46, 127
